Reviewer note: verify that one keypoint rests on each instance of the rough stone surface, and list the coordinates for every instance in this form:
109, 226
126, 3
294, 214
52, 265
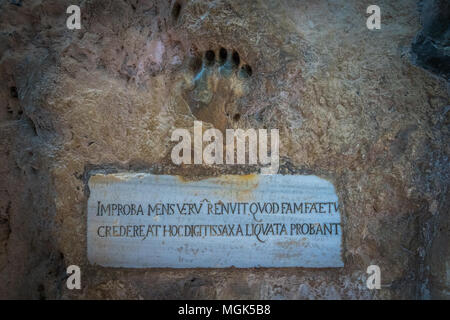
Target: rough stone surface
350, 105
431, 46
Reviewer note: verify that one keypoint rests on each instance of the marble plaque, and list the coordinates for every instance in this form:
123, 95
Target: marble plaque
140, 220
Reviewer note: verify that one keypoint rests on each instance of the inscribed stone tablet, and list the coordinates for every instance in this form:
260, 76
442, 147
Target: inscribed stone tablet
160, 221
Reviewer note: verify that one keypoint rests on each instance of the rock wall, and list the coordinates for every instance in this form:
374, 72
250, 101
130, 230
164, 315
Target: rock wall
353, 106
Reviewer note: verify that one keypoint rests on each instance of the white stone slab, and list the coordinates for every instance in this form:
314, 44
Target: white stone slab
262, 232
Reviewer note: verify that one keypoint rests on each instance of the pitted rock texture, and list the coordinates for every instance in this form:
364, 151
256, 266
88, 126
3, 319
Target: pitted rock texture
350, 105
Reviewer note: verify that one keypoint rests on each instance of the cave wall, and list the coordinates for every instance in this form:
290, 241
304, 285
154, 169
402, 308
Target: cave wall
355, 106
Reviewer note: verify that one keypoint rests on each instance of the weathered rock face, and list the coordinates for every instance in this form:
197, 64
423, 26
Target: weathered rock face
430, 47
350, 106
